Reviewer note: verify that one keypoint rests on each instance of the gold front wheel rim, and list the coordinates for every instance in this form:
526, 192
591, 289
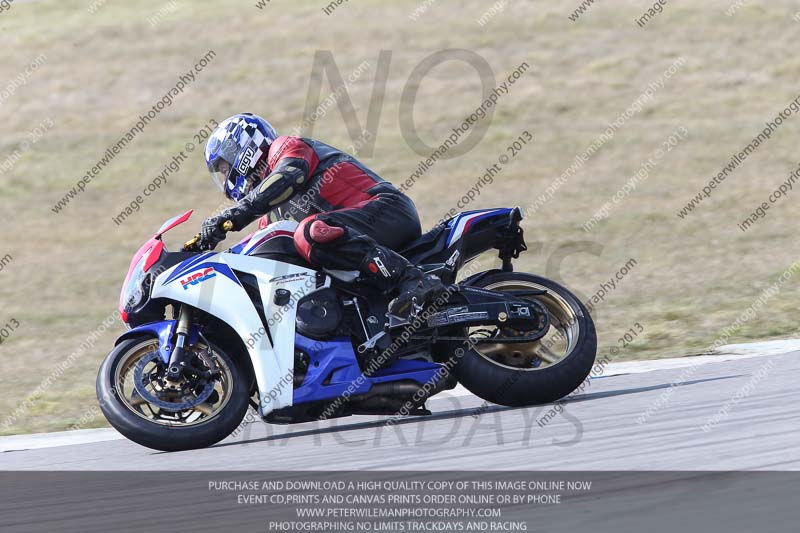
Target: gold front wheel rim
198, 415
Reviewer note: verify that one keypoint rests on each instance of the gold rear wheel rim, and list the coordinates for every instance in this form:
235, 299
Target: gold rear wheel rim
555, 346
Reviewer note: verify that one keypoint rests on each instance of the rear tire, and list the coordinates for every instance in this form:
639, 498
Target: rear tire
518, 387
169, 438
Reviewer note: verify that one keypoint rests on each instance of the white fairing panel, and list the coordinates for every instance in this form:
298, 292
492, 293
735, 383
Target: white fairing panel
208, 283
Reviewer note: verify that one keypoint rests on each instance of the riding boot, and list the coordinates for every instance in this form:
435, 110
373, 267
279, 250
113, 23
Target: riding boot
394, 273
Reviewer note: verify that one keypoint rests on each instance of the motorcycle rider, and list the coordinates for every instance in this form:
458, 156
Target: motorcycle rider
350, 218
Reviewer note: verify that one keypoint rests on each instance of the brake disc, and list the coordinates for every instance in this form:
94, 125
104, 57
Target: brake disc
140, 381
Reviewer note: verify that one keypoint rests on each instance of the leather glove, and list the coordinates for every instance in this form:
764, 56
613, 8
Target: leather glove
212, 232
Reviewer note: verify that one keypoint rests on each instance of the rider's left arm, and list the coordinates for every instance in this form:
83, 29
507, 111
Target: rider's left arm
289, 176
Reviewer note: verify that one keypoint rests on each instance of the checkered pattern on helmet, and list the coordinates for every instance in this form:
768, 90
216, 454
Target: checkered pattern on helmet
248, 138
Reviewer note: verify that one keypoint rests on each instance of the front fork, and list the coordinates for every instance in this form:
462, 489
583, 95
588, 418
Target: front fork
178, 359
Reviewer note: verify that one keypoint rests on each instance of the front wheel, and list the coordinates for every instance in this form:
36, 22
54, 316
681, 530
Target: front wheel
195, 412
522, 374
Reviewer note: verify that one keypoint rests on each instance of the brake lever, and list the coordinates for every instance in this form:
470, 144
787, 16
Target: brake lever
192, 244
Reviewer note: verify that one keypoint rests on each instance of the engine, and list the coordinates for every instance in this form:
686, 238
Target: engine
319, 314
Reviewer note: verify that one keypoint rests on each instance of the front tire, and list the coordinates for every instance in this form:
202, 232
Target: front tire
519, 375
164, 429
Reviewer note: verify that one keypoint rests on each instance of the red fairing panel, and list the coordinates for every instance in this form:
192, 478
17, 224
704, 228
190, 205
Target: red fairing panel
156, 246
155, 255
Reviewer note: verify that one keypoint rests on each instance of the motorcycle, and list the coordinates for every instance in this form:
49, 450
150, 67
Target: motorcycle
212, 334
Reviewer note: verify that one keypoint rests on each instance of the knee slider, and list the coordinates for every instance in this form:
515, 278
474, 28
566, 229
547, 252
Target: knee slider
322, 233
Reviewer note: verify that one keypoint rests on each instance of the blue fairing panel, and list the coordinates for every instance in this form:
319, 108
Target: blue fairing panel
335, 359
163, 332
196, 263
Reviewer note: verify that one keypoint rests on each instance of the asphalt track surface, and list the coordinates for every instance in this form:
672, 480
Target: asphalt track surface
640, 421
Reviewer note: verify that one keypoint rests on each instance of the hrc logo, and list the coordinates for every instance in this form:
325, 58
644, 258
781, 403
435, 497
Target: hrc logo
198, 277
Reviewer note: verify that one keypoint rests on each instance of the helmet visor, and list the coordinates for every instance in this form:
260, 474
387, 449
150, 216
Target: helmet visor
220, 173
221, 166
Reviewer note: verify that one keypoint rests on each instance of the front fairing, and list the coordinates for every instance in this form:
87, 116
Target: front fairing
143, 260
240, 291
237, 289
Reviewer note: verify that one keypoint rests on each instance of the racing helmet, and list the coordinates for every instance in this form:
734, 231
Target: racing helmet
236, 153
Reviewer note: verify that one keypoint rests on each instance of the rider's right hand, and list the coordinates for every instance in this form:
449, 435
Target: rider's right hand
213, 231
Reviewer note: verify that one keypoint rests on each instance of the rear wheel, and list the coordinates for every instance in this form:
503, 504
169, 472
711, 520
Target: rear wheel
520, 374
195, 412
